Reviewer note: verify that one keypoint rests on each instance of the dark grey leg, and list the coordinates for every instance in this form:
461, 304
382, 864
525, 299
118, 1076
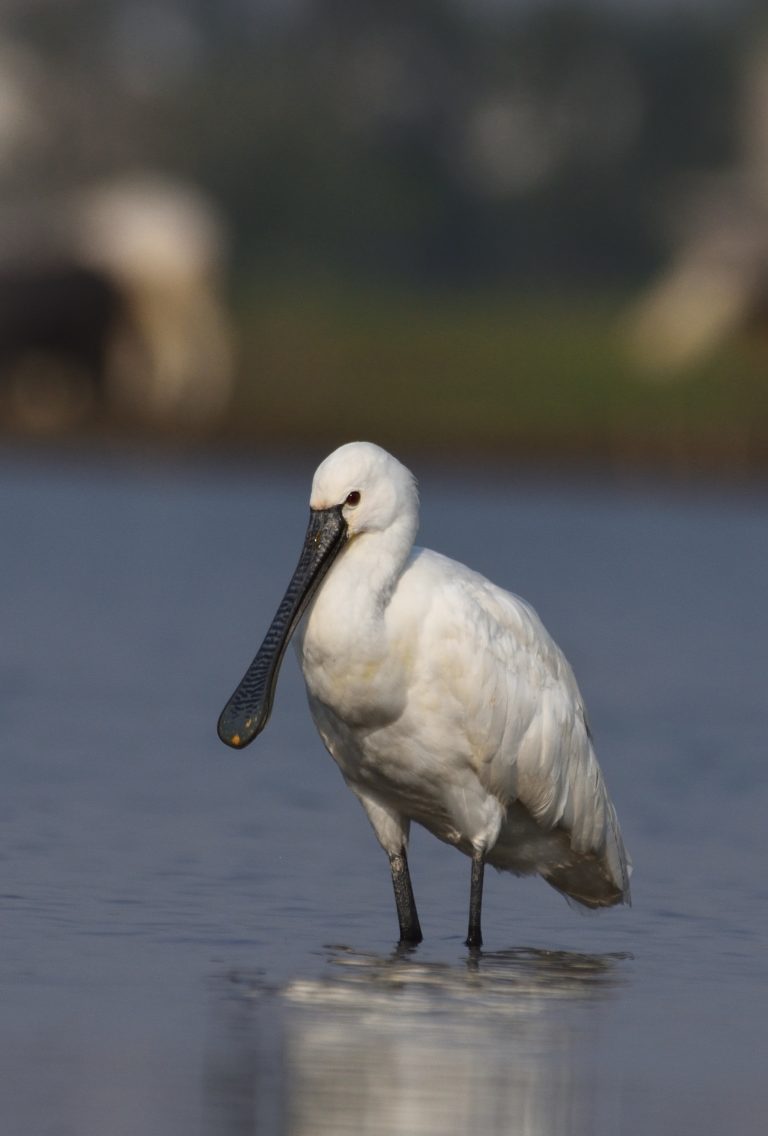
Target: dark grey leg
474, 934
410, 931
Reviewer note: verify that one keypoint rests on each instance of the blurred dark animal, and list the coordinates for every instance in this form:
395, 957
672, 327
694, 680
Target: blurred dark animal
112, 307
55, 329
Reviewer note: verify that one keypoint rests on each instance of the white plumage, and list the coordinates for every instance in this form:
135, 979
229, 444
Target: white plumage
444, 701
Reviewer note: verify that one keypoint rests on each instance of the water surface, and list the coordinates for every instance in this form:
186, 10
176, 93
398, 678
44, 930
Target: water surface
201, 941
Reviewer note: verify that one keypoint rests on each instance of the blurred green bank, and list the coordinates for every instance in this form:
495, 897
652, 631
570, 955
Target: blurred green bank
492, 374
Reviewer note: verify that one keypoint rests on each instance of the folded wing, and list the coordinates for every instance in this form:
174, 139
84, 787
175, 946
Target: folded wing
528, 735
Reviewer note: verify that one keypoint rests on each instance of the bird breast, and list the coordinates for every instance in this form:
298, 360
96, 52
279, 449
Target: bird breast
356, 672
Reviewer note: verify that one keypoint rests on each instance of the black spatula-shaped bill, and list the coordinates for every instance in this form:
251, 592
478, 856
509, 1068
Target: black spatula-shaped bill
247, 712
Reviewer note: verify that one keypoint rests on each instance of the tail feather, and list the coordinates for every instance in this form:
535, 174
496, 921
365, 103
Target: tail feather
583, 879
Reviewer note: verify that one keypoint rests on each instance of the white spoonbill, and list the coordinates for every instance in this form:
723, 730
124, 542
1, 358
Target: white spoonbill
441, 697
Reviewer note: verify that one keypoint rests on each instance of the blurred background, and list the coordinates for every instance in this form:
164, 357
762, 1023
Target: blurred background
520, 229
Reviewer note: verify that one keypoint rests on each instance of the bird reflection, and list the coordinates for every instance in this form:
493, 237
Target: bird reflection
396, 1046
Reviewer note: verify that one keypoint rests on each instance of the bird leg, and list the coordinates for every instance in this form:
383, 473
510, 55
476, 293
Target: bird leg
474, 934
410, 930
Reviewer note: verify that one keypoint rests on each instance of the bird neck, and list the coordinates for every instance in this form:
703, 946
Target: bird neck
358, 588
373, 562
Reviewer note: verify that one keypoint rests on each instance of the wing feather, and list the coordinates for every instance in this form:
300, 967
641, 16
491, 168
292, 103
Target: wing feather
527, 727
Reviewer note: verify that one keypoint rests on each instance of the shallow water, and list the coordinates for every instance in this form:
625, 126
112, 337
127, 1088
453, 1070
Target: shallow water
199, 941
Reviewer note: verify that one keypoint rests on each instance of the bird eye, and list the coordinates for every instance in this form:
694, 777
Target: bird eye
353, 498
